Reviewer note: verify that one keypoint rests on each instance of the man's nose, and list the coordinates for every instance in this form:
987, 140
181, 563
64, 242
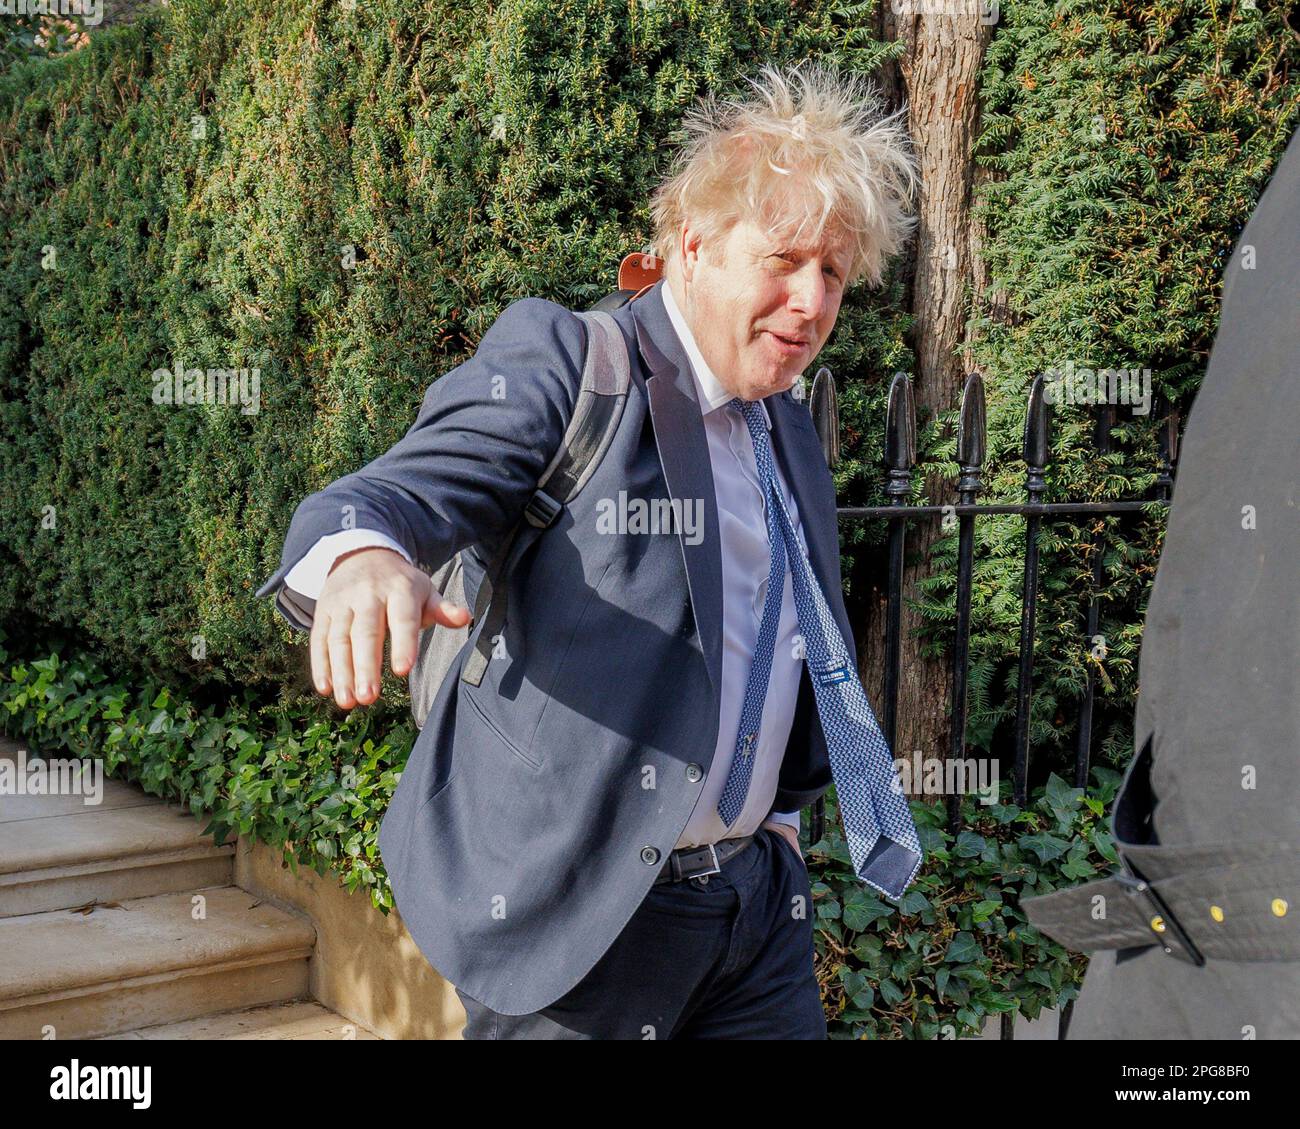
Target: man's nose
808, 292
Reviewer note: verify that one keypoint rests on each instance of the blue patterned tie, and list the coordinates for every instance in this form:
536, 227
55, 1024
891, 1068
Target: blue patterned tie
878, 827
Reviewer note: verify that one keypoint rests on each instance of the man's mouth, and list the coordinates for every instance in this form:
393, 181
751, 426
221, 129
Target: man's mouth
788, 345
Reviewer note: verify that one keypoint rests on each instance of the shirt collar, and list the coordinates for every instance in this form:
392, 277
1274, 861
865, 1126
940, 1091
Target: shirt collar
709, 390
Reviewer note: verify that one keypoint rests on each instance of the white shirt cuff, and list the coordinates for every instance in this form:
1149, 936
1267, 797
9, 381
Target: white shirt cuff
787, 817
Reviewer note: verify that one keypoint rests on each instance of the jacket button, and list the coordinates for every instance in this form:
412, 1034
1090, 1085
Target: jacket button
649, 856
694, 773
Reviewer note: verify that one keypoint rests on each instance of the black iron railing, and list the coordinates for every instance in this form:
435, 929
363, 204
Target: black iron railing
900, 462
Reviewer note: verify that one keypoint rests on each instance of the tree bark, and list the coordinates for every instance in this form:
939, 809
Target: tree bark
938, 75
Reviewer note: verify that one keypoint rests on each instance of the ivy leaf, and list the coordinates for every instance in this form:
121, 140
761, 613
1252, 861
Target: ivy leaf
853, 979
906, 966
1044, 845
1062, 799
913, 902
861, 909
1104, 841
864, 999
931, 840
1076, 865
1004, 813
868, 948
962, 949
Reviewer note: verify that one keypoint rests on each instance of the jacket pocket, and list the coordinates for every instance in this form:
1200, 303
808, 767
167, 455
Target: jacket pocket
527, 758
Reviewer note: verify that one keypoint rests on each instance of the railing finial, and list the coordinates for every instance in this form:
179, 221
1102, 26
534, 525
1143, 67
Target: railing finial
900, 436
825, 407
972, 443
1037, 449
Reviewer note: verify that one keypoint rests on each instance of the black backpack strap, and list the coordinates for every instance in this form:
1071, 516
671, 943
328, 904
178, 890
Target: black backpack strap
606, 377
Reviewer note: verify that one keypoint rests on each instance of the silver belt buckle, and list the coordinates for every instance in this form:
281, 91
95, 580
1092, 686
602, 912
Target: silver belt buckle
717, 867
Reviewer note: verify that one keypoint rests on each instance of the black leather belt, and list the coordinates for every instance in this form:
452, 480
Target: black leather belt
699, 862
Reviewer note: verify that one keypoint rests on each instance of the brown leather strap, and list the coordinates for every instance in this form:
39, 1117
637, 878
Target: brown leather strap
639, 271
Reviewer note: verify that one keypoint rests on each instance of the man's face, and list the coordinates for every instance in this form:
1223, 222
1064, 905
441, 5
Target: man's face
747, 296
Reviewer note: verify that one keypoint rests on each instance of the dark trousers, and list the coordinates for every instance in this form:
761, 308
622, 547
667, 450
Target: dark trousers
727, 957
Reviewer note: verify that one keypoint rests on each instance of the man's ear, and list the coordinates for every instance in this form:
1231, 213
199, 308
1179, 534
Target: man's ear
688, 247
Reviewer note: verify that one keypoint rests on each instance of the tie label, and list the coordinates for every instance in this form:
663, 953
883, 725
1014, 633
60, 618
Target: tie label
835, 674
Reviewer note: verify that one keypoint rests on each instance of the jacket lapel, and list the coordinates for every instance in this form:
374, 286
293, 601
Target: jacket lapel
684, 457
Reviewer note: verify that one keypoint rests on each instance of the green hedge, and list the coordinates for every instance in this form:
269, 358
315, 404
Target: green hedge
1126, 145
314, 788
344, 201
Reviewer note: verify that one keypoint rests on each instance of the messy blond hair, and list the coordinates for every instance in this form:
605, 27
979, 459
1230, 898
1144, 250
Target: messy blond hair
795, 164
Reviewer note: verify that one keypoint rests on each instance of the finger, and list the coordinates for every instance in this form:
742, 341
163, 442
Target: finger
437, 610
340, 652
404, 607
408, 617
320, 655
368, 627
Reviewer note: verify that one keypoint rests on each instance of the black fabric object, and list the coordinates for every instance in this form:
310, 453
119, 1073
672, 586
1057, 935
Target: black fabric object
1218, 699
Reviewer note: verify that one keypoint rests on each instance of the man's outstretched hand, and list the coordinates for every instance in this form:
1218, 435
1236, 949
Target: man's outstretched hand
370, 592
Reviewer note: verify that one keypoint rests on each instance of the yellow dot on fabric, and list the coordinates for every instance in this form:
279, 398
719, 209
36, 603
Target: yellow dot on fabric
1216, 913
1158, 924
1279, 907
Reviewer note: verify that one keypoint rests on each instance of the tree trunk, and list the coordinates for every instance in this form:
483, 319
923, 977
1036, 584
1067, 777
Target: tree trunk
938, 75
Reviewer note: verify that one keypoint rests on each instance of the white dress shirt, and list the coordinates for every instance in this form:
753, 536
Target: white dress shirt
745, 562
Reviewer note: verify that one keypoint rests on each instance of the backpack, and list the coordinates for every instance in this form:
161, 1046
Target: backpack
606, 375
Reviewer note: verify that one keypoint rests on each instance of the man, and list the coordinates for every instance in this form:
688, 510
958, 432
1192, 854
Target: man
599, 840
1196, 938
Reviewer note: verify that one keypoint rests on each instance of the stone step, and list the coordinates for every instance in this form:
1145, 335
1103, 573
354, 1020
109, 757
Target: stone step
299, 1019
63, 861
58, 851
140, 962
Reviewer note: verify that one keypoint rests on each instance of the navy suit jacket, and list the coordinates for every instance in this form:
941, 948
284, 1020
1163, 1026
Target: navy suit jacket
527, 828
